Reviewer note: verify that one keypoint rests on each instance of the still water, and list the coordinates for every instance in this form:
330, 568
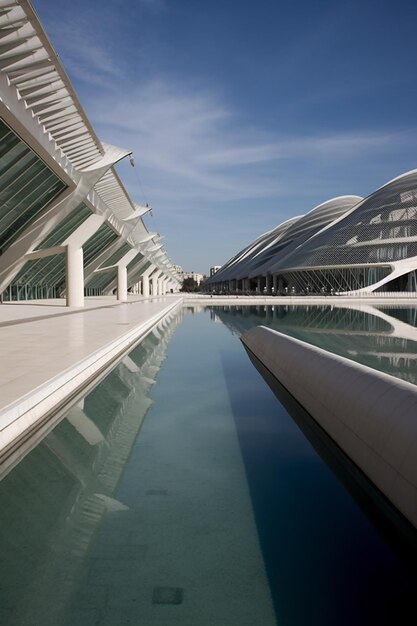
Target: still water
182, 491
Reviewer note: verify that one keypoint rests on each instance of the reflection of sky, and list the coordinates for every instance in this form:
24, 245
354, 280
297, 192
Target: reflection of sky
383, 338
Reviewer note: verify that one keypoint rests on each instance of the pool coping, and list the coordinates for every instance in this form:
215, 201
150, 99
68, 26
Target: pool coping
38, 410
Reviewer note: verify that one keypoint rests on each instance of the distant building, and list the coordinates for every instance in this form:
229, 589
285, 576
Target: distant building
346, 245
183, 275
195, 276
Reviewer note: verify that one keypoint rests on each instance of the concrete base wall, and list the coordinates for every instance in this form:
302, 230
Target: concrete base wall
371, 416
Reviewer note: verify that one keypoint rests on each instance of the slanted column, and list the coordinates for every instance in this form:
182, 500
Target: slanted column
75, 276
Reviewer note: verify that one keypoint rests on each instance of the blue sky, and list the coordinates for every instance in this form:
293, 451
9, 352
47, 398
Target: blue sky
241, 114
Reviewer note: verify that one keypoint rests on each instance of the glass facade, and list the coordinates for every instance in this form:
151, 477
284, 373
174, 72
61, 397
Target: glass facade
45, 278
66, 227
382, 229
27, 186
331, 280
117, 255
99, 282
310, 224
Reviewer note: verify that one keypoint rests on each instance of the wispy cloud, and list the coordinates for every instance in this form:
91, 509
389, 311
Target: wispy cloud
190, 143
194, 143
199, 160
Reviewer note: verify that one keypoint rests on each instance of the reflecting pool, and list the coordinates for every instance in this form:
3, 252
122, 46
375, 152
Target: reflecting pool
181, 491
384, 338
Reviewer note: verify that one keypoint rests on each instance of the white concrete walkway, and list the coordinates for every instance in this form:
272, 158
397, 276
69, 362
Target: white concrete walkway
50, 352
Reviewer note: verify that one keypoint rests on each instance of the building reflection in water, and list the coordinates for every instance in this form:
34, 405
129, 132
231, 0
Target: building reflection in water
49, 523
384, 338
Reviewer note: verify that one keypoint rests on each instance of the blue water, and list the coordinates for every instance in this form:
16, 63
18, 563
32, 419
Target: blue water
182, 491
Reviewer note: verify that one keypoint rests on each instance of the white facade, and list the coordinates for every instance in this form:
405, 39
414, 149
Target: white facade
67, 225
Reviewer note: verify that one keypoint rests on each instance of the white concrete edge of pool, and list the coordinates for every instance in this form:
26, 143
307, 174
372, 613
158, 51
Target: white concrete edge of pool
28, 412
372, 416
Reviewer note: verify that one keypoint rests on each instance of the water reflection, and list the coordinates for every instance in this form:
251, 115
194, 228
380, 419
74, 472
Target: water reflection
384, 338
49, 523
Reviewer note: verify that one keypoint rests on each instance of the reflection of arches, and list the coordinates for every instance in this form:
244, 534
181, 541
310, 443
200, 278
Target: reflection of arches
384, 338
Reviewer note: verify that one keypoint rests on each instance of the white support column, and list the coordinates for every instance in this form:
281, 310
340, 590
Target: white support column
98, 261
161, 282
268, 284
145, 286
121, 283
35, 232
75, 271
154, 281
145, 280
75, 276
122, 274
134, 276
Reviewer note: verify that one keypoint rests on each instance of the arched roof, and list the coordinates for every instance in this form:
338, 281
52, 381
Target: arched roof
380, 229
